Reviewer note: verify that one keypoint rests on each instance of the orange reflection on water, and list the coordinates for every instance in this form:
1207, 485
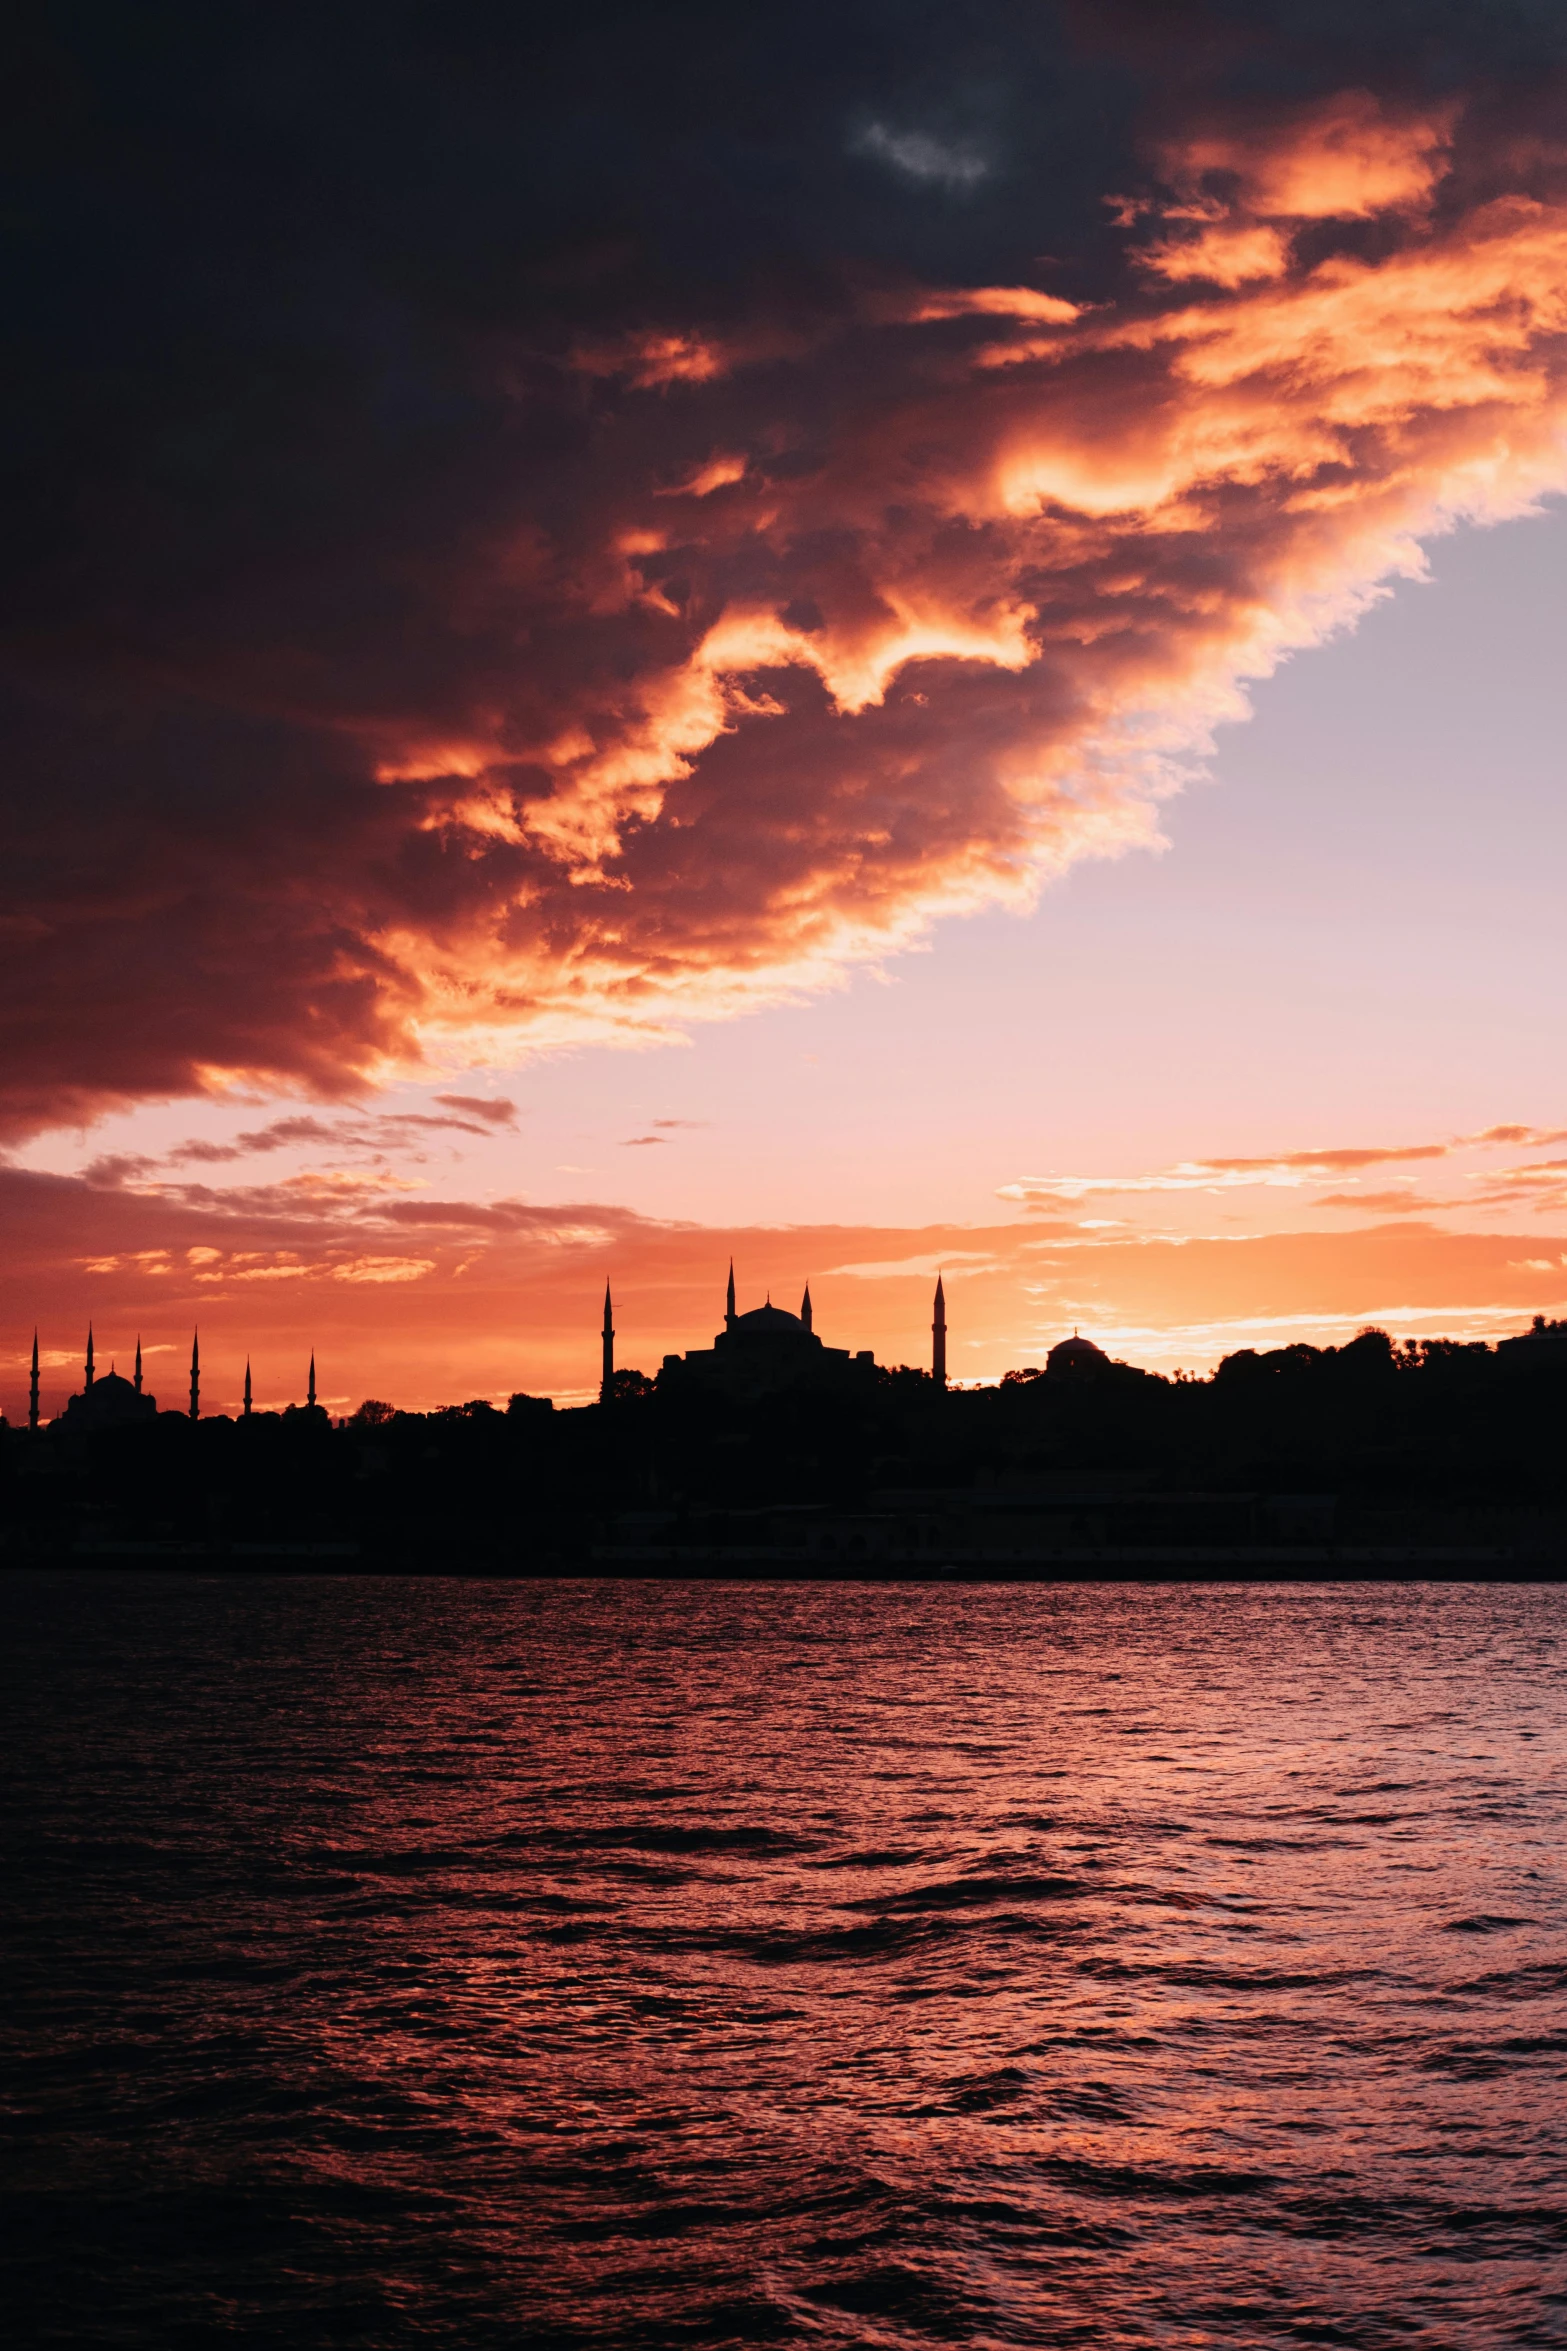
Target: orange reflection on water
879, 1964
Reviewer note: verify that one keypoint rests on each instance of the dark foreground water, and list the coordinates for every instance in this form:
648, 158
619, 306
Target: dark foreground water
442, 1963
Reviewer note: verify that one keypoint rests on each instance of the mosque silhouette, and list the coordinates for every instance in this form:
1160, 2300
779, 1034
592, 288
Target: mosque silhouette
768, 1351
114, 1402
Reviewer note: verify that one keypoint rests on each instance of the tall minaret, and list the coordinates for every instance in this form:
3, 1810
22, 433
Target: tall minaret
195, 1375
938, 1339
32, 1396
607, 1383
247, 1387
310, 1398
729, 1299
136, 1382
805, 1307
89, 1356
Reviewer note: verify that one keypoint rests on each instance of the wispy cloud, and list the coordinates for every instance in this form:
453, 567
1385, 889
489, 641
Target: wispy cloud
377, 1136
923, 156
927, 1265
1296, 1170
383, 1131
494, 1111
1392, 1203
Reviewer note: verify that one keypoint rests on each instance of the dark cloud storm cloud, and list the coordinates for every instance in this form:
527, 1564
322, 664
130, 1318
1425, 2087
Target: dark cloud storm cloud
523, 523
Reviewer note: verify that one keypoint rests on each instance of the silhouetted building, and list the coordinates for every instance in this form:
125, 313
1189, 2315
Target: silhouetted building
938, 1339
607, 1377
107, 1403
761, 1352
1541, 1348
1076, 1359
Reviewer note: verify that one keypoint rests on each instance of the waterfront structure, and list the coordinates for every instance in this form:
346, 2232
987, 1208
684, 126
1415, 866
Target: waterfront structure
762, 1351
938, 1338
607, 1376
195, 1375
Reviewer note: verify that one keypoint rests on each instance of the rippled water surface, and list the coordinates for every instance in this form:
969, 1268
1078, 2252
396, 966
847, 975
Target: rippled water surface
433, 1962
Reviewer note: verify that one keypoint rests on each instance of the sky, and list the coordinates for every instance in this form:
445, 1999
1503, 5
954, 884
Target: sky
929, 645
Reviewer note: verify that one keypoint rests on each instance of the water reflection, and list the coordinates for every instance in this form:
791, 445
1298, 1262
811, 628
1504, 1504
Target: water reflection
416, 1962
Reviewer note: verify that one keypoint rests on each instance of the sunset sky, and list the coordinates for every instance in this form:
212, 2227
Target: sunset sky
882, 640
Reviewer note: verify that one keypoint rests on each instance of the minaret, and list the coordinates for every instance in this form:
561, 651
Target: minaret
247, 1387
310, 1399
805, 1307
32, 1396
89, 1356
938, 1339
136, 1382
729, 1300
195, 1375
607, 1383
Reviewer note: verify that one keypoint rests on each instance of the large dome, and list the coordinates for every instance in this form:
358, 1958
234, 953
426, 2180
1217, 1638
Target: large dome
768, 1318
110, 1401
764, 1353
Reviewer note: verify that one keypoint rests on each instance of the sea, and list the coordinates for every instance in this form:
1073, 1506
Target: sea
483, 1962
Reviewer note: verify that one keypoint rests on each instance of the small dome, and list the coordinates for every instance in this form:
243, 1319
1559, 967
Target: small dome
1074, 1356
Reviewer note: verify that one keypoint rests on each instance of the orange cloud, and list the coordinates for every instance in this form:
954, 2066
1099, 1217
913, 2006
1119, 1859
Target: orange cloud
1228, 253
1024, 302
1347, 157
1337, 1162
